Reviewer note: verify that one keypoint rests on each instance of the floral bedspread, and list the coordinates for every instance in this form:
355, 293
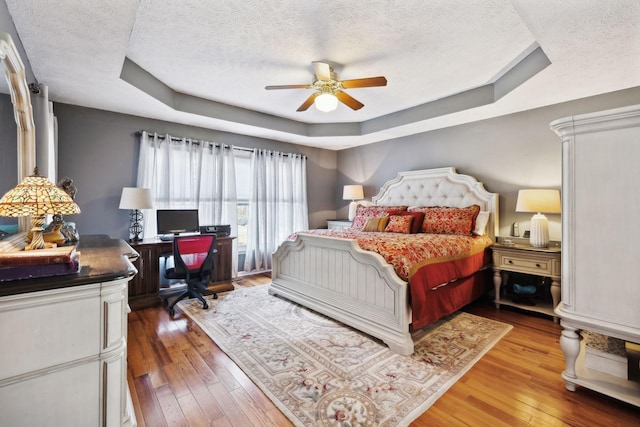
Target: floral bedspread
409, 253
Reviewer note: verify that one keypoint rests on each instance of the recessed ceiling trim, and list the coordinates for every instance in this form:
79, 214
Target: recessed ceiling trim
440, 107
522, 70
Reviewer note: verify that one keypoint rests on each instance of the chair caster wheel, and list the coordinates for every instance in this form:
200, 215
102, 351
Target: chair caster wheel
171, 312
205, 306
215, 296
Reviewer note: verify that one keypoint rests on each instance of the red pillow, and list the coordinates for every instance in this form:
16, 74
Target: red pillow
399, 224
363, 213
446, 220
416, 224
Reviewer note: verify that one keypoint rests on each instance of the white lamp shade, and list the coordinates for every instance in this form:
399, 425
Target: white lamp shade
538, 201
352, 192
326, 102
135, 198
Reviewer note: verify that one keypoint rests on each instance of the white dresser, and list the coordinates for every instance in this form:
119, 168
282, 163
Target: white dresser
600, 235
64, 344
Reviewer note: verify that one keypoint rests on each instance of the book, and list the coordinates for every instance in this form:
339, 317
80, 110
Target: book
57, 255
19, 272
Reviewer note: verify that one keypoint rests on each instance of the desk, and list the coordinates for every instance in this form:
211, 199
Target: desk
144, 288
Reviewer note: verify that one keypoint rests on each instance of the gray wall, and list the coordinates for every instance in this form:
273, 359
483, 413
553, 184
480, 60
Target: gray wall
8, 151
8, 144
506, 153
99, 151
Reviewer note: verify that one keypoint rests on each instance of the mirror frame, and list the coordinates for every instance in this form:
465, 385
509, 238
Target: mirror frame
22, 110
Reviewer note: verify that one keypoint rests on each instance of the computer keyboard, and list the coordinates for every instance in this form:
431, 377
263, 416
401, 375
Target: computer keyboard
167, 237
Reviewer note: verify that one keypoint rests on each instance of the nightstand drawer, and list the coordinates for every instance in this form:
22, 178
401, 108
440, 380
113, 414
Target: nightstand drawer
541, 267
338, 224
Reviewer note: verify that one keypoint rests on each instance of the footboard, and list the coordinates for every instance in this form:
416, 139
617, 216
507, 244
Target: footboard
358, 288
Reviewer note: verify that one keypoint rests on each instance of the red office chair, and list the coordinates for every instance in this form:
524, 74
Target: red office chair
193, 262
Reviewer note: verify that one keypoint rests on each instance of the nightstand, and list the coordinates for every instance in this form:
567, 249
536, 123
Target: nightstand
523, 258
338, 224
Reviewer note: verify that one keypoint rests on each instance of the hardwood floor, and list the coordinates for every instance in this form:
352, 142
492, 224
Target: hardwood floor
179, 377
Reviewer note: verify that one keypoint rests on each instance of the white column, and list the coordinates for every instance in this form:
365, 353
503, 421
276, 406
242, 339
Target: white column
45, 143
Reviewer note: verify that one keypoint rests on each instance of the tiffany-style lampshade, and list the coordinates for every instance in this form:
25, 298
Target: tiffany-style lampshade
36, 196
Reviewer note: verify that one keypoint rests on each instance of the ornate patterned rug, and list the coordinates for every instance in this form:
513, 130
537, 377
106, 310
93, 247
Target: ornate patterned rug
322, 373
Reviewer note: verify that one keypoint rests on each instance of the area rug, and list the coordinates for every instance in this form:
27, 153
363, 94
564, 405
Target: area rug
319, 372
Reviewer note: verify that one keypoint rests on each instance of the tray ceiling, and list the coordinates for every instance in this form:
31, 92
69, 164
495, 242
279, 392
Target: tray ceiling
206, 63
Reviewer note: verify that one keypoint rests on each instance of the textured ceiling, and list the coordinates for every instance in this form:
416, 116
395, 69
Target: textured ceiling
206, 63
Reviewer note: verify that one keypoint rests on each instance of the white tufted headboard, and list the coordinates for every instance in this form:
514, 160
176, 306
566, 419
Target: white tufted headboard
439, 187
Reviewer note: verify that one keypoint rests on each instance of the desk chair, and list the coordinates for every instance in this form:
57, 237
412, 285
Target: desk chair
193, 262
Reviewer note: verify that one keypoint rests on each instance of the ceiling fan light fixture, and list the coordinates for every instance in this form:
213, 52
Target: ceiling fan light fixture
328, 90
326, 102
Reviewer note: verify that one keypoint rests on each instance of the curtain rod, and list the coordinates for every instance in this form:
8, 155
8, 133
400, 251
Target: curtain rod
198, 141
193, 141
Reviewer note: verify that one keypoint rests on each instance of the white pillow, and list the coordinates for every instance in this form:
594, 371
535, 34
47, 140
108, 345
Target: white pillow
481, 223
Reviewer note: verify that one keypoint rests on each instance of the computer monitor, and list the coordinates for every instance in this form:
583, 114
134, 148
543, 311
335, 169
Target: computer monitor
177, 221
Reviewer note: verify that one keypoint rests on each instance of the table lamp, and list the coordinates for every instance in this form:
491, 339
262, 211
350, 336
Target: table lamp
135, 199
353, 193
36, 197
539, 202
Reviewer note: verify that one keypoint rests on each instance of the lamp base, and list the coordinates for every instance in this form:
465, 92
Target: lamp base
353, 206
34, 237
539, 236
46, 246
135, 229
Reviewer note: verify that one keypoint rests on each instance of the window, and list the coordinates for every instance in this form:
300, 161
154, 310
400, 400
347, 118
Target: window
243, 175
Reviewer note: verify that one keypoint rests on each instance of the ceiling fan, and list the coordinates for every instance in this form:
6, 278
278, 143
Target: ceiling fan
328, 89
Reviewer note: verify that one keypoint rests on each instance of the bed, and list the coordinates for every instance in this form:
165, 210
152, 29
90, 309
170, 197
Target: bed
334, 276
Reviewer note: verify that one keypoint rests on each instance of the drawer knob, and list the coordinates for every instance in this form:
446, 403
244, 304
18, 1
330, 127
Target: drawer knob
538, 265
510, 261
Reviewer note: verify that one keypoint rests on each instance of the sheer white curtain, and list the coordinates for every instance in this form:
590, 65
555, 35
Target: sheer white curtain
187, 174
277, 205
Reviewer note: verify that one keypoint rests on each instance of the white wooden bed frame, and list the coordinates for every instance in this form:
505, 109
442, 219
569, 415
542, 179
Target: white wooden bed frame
359, 288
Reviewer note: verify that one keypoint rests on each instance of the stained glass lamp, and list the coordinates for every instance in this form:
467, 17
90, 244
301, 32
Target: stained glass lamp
36, 197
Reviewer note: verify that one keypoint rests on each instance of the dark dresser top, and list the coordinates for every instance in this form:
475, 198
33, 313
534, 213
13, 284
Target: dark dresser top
102, 259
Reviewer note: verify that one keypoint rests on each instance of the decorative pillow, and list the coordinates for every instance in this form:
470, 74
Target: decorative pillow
363, 213
376, 224
399, 224
446, 220
416, 224
481, 223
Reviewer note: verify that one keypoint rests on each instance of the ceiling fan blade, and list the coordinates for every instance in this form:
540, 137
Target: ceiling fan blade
322, 70
366, 82
307, 103
348, 100
287, 87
